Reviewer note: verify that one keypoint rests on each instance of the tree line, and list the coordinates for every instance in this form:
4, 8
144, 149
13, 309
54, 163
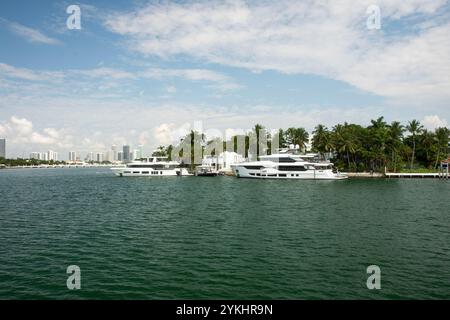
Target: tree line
27, 162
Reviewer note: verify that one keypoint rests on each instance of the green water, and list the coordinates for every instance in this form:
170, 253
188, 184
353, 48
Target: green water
214, 238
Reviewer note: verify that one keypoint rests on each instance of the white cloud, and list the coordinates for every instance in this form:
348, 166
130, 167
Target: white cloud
104, 78
31, 35
22, 127
433, 121
171, 89
106, 73
144, 137
20, 130
38, 138
326, 38
28, 74
220, 81
2, 130
163, 133
190, 74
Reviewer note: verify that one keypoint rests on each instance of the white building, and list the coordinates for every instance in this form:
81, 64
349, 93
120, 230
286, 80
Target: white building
135, 155
52, 155
35, 155
223, 161
45, 156
113, 153
138, 153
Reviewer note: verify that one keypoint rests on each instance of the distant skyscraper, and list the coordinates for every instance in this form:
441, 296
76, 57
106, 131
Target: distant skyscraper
119, 156
126, 154
2, 148
72, 156
113, 153
99, 157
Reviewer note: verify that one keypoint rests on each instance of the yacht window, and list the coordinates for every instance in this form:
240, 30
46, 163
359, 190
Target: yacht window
292, 168
258, 174
127, 172
285, 160
253, 167
136, 172
282, 175
160, 172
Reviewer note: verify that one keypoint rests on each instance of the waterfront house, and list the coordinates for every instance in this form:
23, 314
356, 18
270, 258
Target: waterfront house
223, 161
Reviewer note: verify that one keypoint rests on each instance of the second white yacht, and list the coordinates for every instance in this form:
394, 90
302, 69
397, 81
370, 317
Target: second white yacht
287, 165
151, 167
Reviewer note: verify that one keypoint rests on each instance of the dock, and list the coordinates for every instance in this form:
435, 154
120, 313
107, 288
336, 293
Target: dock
416, 175
395, 175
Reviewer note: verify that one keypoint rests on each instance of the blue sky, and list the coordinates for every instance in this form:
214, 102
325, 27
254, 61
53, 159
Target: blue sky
144, 72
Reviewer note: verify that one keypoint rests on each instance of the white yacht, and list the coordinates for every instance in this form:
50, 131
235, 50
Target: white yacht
287, 165
151, 167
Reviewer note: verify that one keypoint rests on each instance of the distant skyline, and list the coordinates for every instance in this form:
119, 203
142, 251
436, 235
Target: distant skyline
144, 73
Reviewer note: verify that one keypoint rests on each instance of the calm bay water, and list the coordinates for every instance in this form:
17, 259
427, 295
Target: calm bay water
212, 238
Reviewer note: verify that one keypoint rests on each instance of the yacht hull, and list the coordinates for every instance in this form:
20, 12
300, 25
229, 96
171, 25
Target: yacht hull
149, 172
242, 172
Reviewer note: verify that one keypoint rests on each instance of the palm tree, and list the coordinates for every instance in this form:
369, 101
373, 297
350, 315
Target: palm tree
394, 141
321, 141
161, 151
290, 135
428, 141
298, 136
169, 150
379, 137
301, 138
378, 124
414, 127
442, 143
